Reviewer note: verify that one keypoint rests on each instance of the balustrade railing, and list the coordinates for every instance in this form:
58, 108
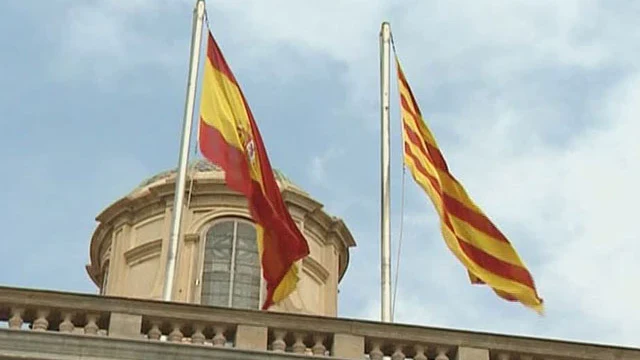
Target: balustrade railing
20, 316
195, 325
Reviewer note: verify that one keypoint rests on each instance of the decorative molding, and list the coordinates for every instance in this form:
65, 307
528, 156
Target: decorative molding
217, 213
193, 237
300, 199
123, 218
315, 269
106, 255
217, 199
113, 210
201, 211
90, 271
148, 220
143, 252
148, 212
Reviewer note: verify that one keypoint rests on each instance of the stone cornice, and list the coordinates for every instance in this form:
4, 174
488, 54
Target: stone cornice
113, 210
92, 273
94, 248
300, 199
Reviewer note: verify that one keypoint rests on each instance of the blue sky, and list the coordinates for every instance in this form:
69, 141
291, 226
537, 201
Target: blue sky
534, 104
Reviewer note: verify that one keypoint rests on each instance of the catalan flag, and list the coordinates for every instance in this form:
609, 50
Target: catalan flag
229, 137
486, 253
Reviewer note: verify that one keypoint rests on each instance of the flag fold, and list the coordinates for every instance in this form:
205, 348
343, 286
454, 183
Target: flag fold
229, 137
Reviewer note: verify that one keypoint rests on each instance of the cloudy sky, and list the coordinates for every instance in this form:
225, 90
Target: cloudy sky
535, 105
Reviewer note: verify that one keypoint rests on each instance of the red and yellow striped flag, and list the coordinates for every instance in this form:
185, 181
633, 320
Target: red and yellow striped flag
229, 137
486, 253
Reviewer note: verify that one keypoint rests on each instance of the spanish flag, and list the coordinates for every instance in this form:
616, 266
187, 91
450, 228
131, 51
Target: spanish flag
486, 253
229, 137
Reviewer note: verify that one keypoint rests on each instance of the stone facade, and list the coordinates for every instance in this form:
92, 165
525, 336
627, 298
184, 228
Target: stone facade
128, 248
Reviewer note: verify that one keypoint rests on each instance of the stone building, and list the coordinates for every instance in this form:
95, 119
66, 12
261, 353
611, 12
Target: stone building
218, 257
218, 290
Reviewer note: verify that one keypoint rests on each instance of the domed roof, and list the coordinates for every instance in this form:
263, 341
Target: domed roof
150, 199
202, 168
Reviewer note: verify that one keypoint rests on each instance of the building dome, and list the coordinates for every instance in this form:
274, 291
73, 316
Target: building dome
217, 261
202, 168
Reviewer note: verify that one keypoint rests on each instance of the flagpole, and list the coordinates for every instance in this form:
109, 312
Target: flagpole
185, 142
385, 253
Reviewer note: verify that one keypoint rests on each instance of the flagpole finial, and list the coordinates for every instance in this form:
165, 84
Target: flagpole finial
199, 7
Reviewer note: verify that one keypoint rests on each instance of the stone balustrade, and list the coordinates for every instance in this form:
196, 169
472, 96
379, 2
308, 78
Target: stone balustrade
192, 326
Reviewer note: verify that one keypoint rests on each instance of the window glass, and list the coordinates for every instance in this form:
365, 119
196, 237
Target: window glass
231, 262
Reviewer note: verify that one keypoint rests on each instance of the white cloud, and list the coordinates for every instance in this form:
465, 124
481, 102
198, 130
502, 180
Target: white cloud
319, 163
599, 174
105, 39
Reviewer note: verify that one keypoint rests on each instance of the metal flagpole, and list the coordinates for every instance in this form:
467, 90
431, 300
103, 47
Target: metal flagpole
183, 160
385, 253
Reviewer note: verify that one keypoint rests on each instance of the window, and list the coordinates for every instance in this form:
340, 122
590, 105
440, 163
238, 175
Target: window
231, 270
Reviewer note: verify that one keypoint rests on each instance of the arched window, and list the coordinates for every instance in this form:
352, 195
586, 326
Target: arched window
231, 270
